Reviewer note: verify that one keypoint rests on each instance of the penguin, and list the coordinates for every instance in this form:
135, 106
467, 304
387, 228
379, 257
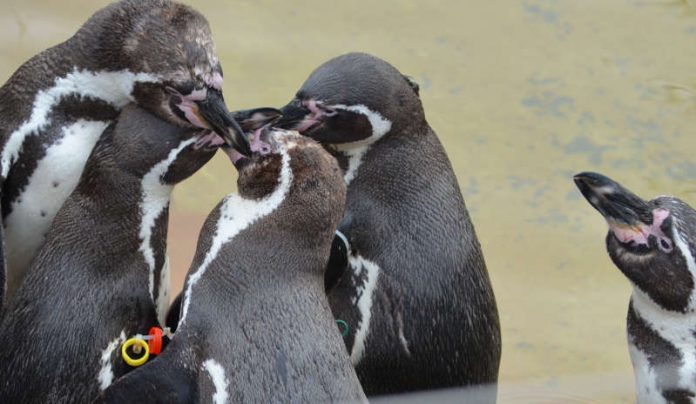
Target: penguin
95, 281
53, 109
249, 120
653, 243
255, 322
415, 293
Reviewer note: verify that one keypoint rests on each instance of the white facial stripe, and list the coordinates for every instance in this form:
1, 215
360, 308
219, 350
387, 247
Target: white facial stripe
55, 177
683, 247
114, 88
236, 214
155, 198
356, 150
106, 374
380, 125
217, 375
364, 303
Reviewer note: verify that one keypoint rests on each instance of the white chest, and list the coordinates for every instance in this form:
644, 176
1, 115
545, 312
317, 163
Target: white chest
57, 173
55, 177
678, 330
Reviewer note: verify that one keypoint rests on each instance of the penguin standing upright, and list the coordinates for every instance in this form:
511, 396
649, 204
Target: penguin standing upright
416, 295
95, 280
156, 53
255, 322
654, 244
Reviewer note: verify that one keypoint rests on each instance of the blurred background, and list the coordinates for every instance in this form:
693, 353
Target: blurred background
523, 95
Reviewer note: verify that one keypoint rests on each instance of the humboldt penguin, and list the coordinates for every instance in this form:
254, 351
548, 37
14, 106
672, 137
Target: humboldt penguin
53, 109
653, 243
255, 322
415, 294
95, 280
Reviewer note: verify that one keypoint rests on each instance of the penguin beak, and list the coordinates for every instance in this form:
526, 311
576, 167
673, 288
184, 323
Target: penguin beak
252, 119
214, 113
261, 145
293, 114
619, 206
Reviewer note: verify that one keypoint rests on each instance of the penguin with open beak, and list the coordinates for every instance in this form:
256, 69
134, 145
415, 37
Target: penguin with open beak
410, 280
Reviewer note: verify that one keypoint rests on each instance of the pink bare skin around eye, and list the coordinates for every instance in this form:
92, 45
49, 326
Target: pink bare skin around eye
188, 106
315, 114
641, 233
210, 139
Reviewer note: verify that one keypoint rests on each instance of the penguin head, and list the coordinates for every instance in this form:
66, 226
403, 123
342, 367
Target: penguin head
173, 43
315, 198
354, 97
651, 242
140, 143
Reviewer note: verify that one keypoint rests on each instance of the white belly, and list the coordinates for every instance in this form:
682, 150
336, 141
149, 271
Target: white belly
55, 177
647, 391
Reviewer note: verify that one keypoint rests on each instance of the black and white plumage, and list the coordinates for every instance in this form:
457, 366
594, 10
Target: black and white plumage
416, 294
96, 279
653, 243
156, 53
255, 322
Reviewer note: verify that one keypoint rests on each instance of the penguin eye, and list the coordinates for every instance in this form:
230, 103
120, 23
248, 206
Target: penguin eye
665, 245
328, 111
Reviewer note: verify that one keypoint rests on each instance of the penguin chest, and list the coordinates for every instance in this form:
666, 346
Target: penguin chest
54, 177
647, 390
662, 345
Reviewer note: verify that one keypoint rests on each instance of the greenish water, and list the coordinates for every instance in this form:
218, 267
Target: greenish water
523, 95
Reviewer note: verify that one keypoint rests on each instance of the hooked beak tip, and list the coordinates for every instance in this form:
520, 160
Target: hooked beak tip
612, 200
214, 114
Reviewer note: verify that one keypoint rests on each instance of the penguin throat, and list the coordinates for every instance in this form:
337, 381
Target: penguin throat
189, 107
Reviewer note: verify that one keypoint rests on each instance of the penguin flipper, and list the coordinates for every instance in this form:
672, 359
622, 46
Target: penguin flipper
338, 261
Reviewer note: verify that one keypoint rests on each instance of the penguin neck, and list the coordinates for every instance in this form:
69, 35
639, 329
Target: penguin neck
647, 308
354, 158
